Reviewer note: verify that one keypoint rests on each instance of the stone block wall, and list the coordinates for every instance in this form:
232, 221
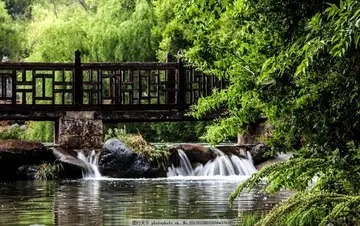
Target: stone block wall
79, 130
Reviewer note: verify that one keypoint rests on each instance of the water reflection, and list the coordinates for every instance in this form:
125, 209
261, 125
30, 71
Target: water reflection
78, 202
115, 202
24, 203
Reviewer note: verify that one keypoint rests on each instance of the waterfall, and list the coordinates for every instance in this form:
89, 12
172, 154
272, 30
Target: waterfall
248, 156
90, 169
221, 165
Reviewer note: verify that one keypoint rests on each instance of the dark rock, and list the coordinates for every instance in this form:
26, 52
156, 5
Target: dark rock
71, 166
174, 157
258, 153
233, 150
142, 168
27, 172
14, 154
116, 159
24, 152
119, 161
70, 171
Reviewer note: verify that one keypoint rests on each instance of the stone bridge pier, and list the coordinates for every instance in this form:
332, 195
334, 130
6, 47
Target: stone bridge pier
79, 130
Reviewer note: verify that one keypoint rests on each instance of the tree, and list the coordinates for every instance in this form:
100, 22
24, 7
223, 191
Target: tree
104, 31
9, 36
167, 33
294, 63
19, 9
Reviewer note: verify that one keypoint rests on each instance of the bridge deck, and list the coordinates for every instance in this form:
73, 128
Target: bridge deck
148, 91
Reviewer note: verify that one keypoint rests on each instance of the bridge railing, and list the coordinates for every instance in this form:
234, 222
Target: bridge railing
103, 86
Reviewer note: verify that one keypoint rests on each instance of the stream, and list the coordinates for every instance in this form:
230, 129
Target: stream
120, 202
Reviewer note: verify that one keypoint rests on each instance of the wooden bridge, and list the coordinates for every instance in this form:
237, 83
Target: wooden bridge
148, 91
79, 97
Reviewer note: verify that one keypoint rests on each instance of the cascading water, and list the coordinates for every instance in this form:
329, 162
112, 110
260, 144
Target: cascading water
184, 168
90, 169
222, 165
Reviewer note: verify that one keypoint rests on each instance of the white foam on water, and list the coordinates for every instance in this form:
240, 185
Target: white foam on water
222, 165
91, 169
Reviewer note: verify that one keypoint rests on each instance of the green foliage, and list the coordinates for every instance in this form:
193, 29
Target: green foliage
174, 132
248, 218
19, 9
296, 64
166, 32
102, 30
9, 35
16, 133
155, 154
319, 208
325, 195
48, 171
40, 131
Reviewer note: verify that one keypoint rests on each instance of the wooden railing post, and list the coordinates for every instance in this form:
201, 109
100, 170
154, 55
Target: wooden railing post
78, 80
56, 131
13, 87
181, 86
170, 82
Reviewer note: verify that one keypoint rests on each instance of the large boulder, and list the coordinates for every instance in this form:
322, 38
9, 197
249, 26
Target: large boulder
118, 161
14, 154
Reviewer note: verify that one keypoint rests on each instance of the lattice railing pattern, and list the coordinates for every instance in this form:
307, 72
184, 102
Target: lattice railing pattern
6, 86
126, 86
199, 84
113, 86
36, 84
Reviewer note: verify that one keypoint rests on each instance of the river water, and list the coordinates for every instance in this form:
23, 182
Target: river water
120, 202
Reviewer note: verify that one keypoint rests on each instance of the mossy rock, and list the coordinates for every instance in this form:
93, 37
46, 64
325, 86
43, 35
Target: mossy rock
15, 153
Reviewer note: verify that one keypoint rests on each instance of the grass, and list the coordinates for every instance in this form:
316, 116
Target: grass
249, 218
48, 171
155, 154
16, 133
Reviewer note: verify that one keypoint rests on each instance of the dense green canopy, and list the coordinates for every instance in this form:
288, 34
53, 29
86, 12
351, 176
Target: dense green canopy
9, 35
295, 63
101, 30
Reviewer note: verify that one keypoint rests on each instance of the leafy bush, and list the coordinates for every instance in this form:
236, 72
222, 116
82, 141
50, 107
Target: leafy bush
249, 218
40, 131
296, 63
167, 131
16, 133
